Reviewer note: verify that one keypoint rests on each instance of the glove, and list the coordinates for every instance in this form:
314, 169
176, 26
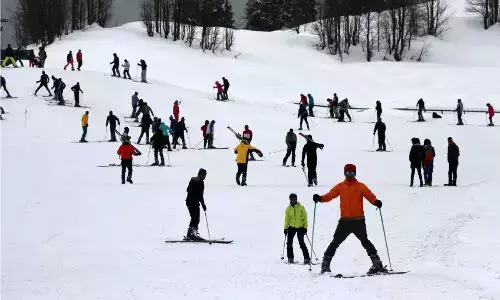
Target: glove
303, 164
321, 146
204, 206
285, 231
303, 230
316, 198
378, 203
260, 154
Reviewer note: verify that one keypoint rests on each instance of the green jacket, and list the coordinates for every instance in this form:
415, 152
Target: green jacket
295, 216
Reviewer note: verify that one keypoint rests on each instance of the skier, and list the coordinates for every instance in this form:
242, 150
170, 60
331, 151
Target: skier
125, 135
135, 103
126, 152
85, 125
111, 120
60, 89
335, 105
380, 127
76, 91
116, 65
421, 108
344, 110
126, 69
176, 110
416, 157
204, 130
3, 84
173, 128
490, 113
242, 151
144, 109
378, 108
44, 80
69, 60
453, 154
194, 198
352, 218
79, 59
248, 135
226, 88
312, 159
42, 55
55, 86
428, 162
144, 67
211, 132
220, 90
330, 107
155, 126
145, 124
18, 56
166, 131
303, 115
291, 145
303, 99
158, 142
32, 59
311, 105
459, 110
296, 223
179, 133
9, 56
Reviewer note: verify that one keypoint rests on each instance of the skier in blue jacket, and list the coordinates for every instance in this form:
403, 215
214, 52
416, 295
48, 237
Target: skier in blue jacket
311, 105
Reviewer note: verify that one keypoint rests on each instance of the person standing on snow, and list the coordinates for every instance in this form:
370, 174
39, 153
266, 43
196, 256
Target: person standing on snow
79, 59
296, 223
344, 110
179, 133
211, 132
204, 130
60, 89
126, 69
55, 87
69, 60
135, 103
126, 153
428, 162
416, 158
158, 143
248, 135
116, 65
309, 150
9, 56
44, 81
335, 105
291, 145
302, 114
176, 110
460, 111
111, 120
490, 113
194, 198
125, 135
145, 124
166, 131
242, 151
380, 127
303, 100
421, 108
76, 91
85, 126
144, 67
453, 154
220, 90
42, 55
352, 218
378, 108
311, 105
226, 88
330, 107
3, 84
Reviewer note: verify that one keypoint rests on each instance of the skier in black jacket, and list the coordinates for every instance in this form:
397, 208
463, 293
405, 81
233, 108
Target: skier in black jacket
453, 154
44, 81
145, 124
179, 129
421, 107
3, 84
291, 145
194, 198
111, 120
312, 159
380, 127
76, 91
116, 65
225, 83
303, 115
417, 154
378, 108
144, 68
158, 143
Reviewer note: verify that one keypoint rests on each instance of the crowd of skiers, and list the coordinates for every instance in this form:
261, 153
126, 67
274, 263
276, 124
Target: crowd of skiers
126, 68
14, 57
58, 85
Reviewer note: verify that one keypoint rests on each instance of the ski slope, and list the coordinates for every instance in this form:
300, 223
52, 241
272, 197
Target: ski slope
71, 230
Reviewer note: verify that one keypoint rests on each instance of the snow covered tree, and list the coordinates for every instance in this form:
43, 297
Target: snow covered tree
487, 9
147, 16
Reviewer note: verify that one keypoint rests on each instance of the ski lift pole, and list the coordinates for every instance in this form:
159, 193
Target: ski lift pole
25, 117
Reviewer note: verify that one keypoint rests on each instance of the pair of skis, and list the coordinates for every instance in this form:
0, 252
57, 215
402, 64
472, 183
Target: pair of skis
200, 241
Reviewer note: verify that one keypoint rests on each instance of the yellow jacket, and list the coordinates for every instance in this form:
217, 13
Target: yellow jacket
85, 120
242, 152
295, 216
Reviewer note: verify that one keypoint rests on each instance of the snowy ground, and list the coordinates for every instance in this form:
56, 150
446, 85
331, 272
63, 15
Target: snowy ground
70, 230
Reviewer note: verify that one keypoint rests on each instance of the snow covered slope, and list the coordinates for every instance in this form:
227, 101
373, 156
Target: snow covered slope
70, 230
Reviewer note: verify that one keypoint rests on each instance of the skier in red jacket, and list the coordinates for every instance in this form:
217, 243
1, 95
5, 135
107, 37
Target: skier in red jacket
204, 129
303, 99
69, 60
79, 59
126, 151
248, 135
220, 90
491, 113
176, 110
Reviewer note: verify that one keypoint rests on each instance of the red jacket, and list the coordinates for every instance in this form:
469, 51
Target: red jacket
176, 112
79, 56
219, 87
204, 129
126, 151
303, 99
247, 134
491, 111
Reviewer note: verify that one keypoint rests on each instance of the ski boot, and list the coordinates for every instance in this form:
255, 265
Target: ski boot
307, 261
129, 180
162, 164
243, 183
290, 261
315, 181
377, 266
325, 265
154, 164
184, 147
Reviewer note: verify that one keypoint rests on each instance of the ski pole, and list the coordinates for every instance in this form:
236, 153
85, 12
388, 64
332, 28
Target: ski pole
312, 238
208, 229
311, 247
389, 143
25, 117
385, 237
371, 118
283, 251
106, 134
274, 152
373, 142
149, 152
189, 140
305, 175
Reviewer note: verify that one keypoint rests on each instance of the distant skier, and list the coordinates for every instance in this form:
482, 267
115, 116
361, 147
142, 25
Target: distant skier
55, 86
69, 61
416, 157
242, 151
330, 107
144, 68
155, 126
126, 69
9, 56
378, 108
135, 104
352, 218
60, 89
79, 59
380, 128
428, 164
302, 114
248, 135
194, 198
309, 150
211, 134
311, 105
291, 145
179, 133
144, 109
174, 130
204, 130
42, 55
490, 113
44, 81
111, 120
145, 124
220, 90
459, 110
421, 108
3, 84
296, 223
166, 132
453, 154
85, 126
126, 153
176, 110
32, 59
76, 91
116, 65
344, 107
335, 105
158, 143
226, 88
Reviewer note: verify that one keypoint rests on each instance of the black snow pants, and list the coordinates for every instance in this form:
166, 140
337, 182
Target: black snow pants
242, 170
159, 151
290, 150
311, 173
381, 142
116, 70
144, 130
417, 167
452, 172
344, 229
126, 164
302, 119
289, 243
43, 85
194, 213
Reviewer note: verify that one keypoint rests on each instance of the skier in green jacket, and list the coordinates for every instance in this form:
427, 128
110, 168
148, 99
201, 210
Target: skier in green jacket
296, 223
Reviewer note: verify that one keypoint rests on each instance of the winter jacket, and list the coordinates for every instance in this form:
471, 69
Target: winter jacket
79, 56
291, 140
243, 150
380, 127
460, 107
9, 52
42, 54
453, 152
157, 140
247, 134
135, 100
112, 120
417, 154
195, 191
378, 107
344, 105
219, 87
421, 104
211, 128
225, 82
116, 61
181, 127
85, 120
295, 216
69, 57
76, 89
126, 151
204, 129
351, 198
310, 150
491, 111
311, 100
164, 129
303, 99
146, 121
126, 66
155, 126
302, 111
335, 100
44, 79
143, 65
176, 110
429, 155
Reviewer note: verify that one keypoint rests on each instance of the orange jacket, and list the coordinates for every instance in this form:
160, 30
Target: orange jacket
351, 198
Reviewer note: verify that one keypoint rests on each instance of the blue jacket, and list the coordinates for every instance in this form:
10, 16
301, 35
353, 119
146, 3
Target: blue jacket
311, 100
164, 129
135, 100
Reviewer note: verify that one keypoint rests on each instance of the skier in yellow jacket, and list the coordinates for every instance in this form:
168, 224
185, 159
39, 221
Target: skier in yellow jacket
296, 223
242, 151
85, 125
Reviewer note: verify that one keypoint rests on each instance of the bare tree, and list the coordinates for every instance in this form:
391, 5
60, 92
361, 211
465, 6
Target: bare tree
437, 16
487, 9
147, 16
103, 11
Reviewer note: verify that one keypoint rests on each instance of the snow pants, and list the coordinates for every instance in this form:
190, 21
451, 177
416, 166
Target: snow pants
420, 115
459, 116
428, 173
419, 171
126, 165
242, 170
381, 142
70, 63
79, 65
194, 213
452, 172
166, 142
311, 111
144, 130
205, 141
11, 59
159, 151
302, 119
224, 94
290, 150
379, 114
143, 76
116, 70
43, 85
210, 140
112, 131
5, 89
289, 243
77, 99
311, 174
344, 229
126, 74
84, 135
